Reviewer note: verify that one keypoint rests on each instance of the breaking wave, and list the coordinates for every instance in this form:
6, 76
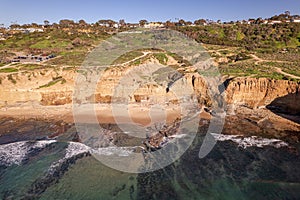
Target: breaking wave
16, 153
246, 142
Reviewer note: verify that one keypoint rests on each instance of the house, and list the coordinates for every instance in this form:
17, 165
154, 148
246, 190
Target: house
275, 22
133, 25
295, 20
32, 30
154, 25
27, 30
251, 21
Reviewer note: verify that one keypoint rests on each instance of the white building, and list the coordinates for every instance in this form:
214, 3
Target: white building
154, 25
275, 22
296, 20
32, 30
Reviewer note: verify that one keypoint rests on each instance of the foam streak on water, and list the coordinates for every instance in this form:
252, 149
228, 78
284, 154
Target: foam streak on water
74, 149
246, 142
16, 153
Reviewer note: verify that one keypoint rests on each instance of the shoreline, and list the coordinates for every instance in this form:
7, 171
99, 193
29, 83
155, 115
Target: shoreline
253, 122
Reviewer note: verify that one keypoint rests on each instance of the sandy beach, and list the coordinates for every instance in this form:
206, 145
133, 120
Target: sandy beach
105, 113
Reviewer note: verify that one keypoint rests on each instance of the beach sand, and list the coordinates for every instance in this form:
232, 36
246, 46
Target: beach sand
104, 113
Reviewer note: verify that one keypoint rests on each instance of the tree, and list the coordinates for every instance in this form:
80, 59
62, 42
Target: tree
108, 22
181, 22
288, 13
66, 23
34, 25
188, 23
200, 22
259, 20
46, 22
143, 22
169, 24
14, 25
122, 22
82, 23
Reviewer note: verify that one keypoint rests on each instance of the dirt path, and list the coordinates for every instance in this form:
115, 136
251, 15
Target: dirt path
6, 66
126, 63
277, 69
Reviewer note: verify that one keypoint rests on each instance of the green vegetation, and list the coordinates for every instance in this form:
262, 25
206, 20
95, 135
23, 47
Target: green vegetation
290, 55
262, 70
72, 58
69, 68
256, 50
291, 68
8, 70
273, 75
179, 59
53, 40
53, 82
30, 67
70, 44
48, 44
243, 69
128, 57
161, 57
11, 78
251, 37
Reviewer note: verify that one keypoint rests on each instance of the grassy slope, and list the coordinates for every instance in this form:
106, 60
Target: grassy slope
218, 38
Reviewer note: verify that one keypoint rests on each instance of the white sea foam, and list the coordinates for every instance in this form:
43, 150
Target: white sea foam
118, 151
75, 149
246, 142
15, 153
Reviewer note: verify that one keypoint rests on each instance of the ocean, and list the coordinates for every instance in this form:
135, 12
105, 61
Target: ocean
234, 169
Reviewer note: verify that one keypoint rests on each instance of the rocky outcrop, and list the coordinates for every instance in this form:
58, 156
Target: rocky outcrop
256, 92
56, 98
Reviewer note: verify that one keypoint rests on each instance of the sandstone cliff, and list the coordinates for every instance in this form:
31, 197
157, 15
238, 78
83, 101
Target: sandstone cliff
250, 92
256, 92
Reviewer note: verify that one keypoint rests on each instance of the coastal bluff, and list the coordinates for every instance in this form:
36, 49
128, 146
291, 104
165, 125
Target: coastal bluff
56, 88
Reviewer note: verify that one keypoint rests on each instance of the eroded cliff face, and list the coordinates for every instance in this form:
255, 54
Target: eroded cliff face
44, 86
54, 87
256, 92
